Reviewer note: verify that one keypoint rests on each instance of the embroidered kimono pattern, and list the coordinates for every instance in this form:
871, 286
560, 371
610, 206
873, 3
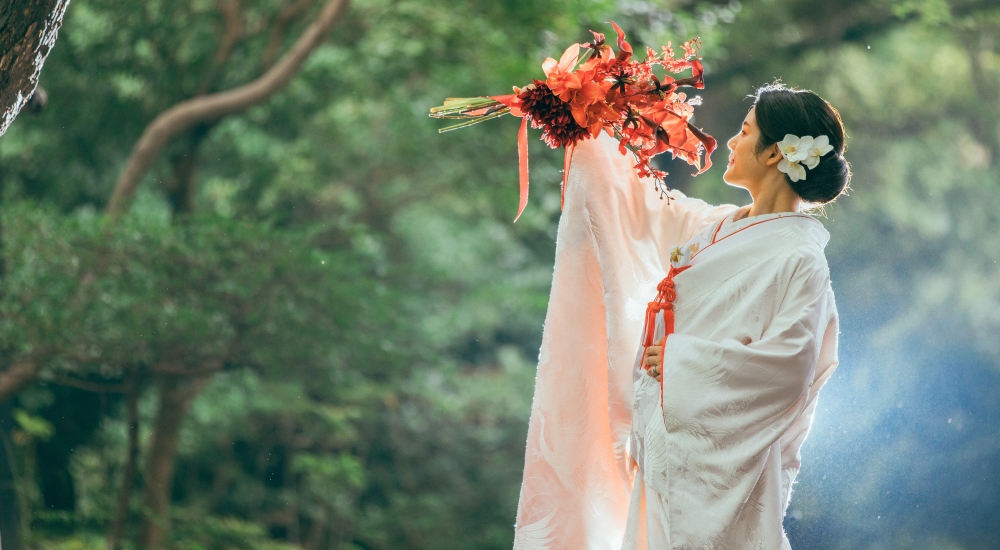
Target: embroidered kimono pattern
755, 336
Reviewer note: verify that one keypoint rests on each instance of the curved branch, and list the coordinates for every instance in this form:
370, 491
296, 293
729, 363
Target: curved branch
86, 385
193, 111
16, 377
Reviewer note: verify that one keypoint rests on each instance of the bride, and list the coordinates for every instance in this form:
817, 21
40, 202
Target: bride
694, 443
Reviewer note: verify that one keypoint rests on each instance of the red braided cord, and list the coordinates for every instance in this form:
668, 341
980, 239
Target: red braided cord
664, 301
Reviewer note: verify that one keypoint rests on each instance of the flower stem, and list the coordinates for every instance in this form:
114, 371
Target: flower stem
473, 120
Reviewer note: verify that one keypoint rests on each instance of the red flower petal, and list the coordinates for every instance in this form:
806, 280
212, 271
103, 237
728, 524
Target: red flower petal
624, 48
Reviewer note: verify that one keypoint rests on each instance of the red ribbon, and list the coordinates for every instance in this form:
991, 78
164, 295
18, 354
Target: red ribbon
664, 301
514, 102
522, 160
567, 160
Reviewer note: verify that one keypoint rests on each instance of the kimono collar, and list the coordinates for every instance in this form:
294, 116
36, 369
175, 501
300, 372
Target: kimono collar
813, 228
725, 233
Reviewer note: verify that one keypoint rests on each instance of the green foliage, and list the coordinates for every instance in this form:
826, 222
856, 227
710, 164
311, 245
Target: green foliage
86, 296
33, 426
223, 534
90, 541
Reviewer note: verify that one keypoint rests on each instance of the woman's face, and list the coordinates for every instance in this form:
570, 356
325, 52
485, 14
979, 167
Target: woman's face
746, 168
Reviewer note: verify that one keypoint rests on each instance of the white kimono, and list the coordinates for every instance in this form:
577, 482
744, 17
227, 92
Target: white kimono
755, 339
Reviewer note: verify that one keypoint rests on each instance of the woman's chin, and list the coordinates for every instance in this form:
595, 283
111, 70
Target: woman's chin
728, 178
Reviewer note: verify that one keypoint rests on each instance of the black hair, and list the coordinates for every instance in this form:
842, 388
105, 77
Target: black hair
781, 110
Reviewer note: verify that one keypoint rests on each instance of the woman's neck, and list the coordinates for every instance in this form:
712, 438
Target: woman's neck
774, 198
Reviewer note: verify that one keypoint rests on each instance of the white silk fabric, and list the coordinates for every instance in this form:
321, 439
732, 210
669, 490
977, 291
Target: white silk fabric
755, 339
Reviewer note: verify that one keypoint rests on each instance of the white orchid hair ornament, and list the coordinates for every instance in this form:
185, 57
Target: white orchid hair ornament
797, 151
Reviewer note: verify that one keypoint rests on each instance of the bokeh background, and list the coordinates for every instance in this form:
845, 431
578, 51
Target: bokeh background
319, 325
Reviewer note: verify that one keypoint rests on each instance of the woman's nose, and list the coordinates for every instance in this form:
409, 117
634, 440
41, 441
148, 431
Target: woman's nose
730, 143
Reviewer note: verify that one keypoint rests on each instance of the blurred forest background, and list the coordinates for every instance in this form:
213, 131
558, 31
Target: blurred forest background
315, 326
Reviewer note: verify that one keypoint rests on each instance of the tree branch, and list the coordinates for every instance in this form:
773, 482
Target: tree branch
278, 31
84, 385
233, 16
186, 114
16, 377
179, 369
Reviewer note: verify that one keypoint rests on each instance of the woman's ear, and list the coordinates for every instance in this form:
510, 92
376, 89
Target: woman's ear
773, 155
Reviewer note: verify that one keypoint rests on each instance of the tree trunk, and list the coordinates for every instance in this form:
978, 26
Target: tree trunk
176, 395
10, 500
180, 188
131, 462
212, 107
28, 30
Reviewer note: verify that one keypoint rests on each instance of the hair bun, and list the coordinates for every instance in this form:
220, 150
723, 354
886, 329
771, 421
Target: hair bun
826, 181
781, 111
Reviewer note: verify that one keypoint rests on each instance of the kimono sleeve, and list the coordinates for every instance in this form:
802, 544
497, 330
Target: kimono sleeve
577, 481
632, 230
729, 407
627, 212
795, 435
744, 397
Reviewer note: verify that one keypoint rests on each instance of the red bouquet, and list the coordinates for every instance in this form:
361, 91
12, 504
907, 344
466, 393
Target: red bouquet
591, 88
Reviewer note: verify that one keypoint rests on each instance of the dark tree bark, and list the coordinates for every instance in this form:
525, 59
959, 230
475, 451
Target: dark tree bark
28, 30
180, 188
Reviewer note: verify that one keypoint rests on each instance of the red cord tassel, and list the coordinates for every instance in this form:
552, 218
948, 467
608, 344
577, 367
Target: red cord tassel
664, 301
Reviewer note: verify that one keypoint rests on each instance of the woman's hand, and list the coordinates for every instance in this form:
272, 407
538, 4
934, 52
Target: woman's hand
652, 359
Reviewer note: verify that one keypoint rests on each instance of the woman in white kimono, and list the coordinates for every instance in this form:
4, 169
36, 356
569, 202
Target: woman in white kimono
693, 442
